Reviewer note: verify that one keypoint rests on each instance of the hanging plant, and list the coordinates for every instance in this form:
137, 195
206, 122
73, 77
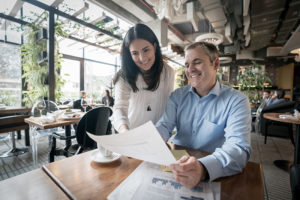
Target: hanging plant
35, 71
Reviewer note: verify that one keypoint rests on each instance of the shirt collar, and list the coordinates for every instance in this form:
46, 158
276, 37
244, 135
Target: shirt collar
216, 90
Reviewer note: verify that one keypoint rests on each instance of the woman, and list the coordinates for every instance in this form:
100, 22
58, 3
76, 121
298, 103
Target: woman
144, 83
107, 99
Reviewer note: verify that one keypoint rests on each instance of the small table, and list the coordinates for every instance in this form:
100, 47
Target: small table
81, 178
284, 164
35, 123
31, 185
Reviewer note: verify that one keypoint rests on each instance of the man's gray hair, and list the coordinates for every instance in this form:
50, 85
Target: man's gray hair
210, 49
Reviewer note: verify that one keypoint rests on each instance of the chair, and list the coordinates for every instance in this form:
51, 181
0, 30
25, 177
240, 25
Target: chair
277, 128
37, 133
12, 124
295, 181
95, 121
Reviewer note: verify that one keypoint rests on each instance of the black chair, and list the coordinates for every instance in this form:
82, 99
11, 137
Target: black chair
295, 181
95, 121
269, 127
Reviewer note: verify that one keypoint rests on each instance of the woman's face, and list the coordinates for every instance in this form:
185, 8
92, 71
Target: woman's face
142, 53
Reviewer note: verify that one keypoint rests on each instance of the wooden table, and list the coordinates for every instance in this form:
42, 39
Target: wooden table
14, 110
83, 179
17, 110
35, 123
32, 185
283, 164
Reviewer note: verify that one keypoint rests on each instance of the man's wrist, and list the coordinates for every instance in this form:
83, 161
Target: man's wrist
205, 175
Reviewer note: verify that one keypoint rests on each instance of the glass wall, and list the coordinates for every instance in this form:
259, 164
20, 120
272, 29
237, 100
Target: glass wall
98, 78
70, 71
10, 75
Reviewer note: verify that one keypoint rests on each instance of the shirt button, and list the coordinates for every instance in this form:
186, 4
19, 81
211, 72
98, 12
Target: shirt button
194, 131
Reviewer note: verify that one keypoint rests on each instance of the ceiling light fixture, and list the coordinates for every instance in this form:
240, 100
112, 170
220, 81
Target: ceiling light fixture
167, 8
296, 51
213, 38
224, 60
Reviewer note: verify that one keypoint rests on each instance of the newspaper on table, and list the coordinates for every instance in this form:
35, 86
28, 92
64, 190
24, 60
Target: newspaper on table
149, 182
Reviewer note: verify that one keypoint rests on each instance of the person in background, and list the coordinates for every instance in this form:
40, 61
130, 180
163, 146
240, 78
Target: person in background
107, 100
82, 94
266, 94
144, 83
208, 116
77, 102
277, 97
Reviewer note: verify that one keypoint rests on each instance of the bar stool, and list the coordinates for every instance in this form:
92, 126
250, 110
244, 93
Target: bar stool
12, 124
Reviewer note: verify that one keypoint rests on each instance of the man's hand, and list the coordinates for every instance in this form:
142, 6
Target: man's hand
188, 171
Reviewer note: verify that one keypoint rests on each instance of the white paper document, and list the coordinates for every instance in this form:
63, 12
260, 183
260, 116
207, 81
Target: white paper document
143, 143
149, 182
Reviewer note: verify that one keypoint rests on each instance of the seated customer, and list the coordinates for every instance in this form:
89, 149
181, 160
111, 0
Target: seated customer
277, 97
208, 116
77, 103
107, 100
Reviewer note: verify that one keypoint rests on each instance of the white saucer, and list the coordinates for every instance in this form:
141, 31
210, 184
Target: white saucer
99, 158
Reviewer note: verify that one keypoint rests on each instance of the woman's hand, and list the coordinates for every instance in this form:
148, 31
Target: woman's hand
123, 128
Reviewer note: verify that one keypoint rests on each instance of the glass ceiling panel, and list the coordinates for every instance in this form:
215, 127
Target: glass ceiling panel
14, 33
91, 15
71, 6
6, 6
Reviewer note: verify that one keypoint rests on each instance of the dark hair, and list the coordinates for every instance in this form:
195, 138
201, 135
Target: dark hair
129, 70
107, 92
280, 94
209, 48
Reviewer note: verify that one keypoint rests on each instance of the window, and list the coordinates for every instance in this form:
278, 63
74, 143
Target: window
98, 78
10, 75
70, 71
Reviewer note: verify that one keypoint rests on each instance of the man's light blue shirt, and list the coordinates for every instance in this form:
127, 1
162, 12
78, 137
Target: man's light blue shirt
219, 122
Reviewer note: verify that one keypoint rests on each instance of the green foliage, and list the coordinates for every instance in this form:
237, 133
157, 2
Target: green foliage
180, 78
36, 74
251, 82
8, 98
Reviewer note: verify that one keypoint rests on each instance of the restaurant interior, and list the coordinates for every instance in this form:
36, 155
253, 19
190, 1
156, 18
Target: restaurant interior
54, 53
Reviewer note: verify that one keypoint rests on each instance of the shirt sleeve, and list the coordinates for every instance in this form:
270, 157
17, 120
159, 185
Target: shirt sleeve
167, 122
234, 154
122, 95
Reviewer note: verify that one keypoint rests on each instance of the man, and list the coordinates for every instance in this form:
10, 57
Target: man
208, 116
266, 94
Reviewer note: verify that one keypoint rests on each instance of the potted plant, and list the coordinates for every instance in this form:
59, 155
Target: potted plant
251, 81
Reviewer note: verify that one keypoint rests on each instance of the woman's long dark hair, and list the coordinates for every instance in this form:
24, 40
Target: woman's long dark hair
129, 70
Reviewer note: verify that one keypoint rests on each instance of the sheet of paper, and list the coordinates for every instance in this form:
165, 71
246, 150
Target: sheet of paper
148, 182
143, 143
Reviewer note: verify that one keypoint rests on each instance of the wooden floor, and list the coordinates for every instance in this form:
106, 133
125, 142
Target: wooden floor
276, 181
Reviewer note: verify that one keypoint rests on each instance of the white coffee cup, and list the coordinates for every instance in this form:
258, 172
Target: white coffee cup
103, 151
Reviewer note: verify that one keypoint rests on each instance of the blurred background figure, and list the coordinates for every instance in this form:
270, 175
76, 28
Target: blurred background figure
108, 100
266, 94
77, 102
82, 94
277, 97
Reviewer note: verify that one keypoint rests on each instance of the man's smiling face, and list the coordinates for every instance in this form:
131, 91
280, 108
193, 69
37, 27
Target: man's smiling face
200, 71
